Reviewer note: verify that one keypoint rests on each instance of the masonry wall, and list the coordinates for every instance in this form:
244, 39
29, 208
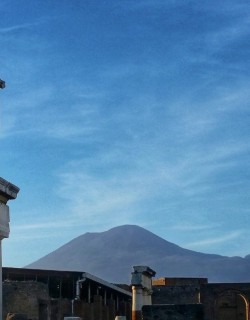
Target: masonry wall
19, 316
230, 301
27, 297
179, 281
31, 300
173, 312
185, 294
226, 301
97, 310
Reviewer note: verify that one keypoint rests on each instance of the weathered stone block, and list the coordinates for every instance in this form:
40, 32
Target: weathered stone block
20, 316
24, 298
173, 312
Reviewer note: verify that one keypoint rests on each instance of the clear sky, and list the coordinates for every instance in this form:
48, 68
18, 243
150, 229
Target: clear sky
126, 112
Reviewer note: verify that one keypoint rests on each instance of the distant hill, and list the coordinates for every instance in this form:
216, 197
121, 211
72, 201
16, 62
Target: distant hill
110, 255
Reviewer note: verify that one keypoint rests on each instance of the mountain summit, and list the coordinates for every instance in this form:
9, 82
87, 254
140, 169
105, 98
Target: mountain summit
110, 255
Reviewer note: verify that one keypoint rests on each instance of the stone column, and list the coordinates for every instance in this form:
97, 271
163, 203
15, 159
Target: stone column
8, 191
141, 282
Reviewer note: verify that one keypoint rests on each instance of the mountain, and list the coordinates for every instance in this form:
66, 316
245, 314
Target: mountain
110, 255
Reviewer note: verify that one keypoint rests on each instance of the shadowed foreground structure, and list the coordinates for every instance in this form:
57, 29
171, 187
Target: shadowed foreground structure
173, 312
49, 294
8, 191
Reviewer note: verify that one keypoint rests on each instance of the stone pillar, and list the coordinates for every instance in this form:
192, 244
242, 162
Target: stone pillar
8, 191
141, 282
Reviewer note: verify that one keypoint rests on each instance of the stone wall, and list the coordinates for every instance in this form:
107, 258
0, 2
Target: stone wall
19, 316
98, 310
226, 301
30, 300
186, 294
230, 301
179, 281
173, 312
25, 298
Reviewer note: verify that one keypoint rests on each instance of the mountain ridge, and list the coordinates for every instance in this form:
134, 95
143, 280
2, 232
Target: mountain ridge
111, 254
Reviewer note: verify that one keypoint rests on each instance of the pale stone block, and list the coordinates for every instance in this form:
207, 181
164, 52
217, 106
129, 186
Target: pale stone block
4, 221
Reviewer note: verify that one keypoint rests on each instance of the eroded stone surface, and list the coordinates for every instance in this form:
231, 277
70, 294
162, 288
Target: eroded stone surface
8, 191
4, 221
173, 312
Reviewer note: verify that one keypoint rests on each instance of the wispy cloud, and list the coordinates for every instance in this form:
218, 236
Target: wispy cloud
135, 124
19, 27
126, 193
216, 240
44, 225
94, 198
194, 227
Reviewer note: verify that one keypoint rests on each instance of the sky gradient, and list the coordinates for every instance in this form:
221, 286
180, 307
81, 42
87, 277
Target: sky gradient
126, 112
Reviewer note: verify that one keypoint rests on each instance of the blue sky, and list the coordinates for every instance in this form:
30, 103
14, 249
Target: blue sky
126, 112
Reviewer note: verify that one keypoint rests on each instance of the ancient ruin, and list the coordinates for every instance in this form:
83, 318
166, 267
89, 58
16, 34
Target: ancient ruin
8, 191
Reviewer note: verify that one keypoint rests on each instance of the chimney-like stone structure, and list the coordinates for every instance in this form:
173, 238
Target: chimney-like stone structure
141, 282
8, 191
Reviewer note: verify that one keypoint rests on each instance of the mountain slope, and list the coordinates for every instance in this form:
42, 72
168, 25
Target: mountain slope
111, 254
